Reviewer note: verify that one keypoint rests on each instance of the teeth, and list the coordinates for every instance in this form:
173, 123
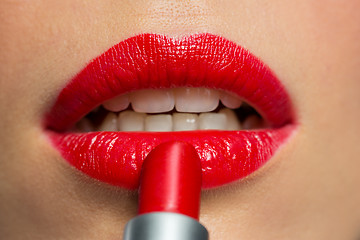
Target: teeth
117, 104
152, 101
185, 122
85, 125
194, 102
196, 99
230, 101
109, 123
252, 122
212, 121
164, 100
232, 122
158, 123
131, 121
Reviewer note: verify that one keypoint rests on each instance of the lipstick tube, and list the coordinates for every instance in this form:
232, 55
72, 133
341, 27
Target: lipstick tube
164, 226
169, 196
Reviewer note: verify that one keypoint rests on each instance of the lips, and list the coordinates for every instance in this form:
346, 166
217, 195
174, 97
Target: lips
150, 61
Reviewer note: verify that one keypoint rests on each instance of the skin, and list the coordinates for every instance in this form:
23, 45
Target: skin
309, 190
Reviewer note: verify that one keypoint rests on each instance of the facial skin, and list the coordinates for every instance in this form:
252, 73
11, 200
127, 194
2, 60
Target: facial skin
309, 190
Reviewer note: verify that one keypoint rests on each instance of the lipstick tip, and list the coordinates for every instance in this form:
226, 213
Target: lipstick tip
171, 180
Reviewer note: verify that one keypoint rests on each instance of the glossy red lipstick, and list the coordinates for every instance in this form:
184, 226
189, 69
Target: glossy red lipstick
171, 180
169, 195
157, 61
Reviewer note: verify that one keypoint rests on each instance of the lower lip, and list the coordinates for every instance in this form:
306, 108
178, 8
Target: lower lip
116, 157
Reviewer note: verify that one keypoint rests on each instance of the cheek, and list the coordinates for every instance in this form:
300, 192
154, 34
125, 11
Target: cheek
39, 51
25, 49
327, 52
313, 46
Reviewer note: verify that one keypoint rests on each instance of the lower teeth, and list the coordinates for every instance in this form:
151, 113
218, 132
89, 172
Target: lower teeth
224, 119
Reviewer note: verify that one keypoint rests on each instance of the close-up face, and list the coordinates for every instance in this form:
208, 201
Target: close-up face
117, 109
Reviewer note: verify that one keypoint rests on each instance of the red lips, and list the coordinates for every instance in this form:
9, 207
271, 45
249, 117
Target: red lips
155, 61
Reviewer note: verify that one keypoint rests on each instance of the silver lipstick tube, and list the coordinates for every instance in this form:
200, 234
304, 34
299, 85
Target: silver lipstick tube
164, 226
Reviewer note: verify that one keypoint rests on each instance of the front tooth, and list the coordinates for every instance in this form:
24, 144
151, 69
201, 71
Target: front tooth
212, 121
85, 125
117, 104
196, 99
232, 122
109, 123
185, 121
230, 101
158, 123
131, 121
152, 101
253, 122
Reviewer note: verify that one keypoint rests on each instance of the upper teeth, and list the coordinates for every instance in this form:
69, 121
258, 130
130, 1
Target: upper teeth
133, 121
164, 100
192, 105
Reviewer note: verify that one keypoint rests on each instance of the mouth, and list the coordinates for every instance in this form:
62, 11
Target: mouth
150, 89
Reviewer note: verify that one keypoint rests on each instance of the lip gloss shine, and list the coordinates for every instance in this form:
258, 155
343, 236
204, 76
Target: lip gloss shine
169, 196
153, 61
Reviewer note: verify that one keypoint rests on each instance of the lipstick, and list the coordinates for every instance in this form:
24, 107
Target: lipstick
169, 195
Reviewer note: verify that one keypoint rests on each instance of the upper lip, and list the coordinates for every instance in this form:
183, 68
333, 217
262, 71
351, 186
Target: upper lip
157, 61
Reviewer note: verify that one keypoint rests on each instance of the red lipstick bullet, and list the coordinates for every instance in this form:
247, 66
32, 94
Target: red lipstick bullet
169, 196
